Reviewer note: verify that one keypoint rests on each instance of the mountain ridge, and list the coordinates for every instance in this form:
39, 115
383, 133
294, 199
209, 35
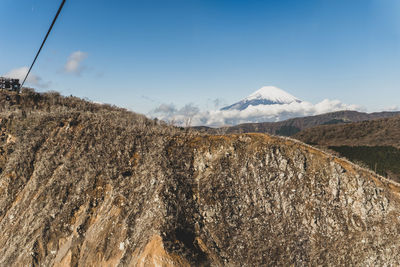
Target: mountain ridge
373, 143
292, 126
383, 131
83, 184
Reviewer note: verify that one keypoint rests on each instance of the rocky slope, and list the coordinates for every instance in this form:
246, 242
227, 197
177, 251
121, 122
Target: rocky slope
86, 185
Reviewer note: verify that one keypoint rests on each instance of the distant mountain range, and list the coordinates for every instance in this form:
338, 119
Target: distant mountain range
379, 132
292, 126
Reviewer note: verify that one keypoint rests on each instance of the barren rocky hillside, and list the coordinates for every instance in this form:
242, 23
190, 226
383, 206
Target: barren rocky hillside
90, 185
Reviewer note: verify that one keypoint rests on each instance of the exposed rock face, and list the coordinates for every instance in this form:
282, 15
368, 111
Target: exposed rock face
113, 189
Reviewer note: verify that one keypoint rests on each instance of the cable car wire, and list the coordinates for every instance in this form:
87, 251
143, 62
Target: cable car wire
44, 41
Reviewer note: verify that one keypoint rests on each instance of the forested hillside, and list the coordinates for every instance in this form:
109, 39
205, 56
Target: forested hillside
292, 126
374, 144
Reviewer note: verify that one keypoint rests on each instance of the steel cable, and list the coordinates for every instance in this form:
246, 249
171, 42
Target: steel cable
44, 41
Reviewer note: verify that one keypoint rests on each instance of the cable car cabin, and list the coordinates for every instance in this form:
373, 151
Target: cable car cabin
10, 84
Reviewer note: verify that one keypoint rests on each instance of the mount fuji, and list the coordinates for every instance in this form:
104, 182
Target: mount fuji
267, 95
268, 104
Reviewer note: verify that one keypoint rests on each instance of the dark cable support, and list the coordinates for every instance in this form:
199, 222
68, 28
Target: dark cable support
44, 41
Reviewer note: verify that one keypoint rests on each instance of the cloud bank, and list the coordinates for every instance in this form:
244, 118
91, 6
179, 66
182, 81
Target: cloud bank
32, 79
260, 113
74, 62
391, 108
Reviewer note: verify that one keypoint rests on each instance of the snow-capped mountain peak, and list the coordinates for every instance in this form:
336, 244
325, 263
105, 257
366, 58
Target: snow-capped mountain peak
267, 95
273, 94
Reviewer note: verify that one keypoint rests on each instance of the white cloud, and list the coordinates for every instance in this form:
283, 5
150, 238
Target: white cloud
170, 113
391, 108
74, 61
260, 113
32, 79
218, 102
166, 109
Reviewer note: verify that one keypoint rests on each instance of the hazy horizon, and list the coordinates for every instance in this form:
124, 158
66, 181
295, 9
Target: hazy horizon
205, 54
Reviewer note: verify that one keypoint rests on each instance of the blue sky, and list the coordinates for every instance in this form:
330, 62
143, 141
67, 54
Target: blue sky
140, 54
